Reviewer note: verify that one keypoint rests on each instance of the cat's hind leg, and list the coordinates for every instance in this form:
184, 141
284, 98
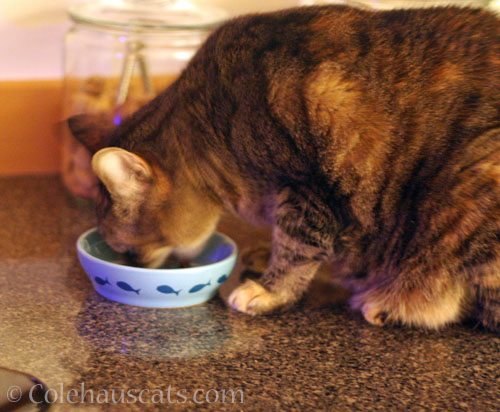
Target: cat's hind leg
487, 289
426, 299
450, 263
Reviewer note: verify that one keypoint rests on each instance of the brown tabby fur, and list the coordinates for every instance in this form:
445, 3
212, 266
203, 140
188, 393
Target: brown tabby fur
369, 139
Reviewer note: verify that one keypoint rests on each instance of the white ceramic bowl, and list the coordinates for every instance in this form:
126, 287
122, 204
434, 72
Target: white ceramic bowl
156, 288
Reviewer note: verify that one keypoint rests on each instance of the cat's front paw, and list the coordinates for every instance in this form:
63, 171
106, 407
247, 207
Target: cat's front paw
254, 299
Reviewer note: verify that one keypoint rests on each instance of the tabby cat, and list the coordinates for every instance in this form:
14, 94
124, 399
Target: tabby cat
369, 139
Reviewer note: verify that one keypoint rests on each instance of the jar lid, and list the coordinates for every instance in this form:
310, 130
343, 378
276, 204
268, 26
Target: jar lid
147, 14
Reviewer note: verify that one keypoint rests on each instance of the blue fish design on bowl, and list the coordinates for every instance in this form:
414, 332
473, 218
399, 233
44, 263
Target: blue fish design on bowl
222, 279
168, 289
127, 287
156, 288
101, 281
199, 287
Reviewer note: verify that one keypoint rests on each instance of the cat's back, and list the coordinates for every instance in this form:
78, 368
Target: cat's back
355, 39
393, 57
296, 60
347, 91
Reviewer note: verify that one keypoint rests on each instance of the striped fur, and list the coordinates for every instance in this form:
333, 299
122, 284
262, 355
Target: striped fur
369, 139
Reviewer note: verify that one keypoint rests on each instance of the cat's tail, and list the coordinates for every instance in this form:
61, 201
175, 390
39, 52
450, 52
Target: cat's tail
488, 306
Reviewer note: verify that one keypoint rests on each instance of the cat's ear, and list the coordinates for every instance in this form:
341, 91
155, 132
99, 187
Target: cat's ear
93, 130
124, 174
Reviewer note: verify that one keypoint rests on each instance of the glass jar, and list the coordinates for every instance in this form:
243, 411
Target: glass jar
117, 56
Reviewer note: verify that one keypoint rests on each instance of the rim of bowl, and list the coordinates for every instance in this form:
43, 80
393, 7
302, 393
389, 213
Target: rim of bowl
159, 271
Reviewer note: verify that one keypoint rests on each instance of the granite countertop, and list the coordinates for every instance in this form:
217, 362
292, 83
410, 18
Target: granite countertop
319, 356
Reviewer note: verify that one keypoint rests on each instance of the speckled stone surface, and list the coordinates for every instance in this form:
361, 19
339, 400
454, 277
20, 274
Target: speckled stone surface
318, 357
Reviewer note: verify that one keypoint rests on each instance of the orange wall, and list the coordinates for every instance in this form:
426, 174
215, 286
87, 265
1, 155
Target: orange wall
29, 115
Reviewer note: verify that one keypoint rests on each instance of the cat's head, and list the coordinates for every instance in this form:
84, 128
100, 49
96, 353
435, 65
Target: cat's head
142, 209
